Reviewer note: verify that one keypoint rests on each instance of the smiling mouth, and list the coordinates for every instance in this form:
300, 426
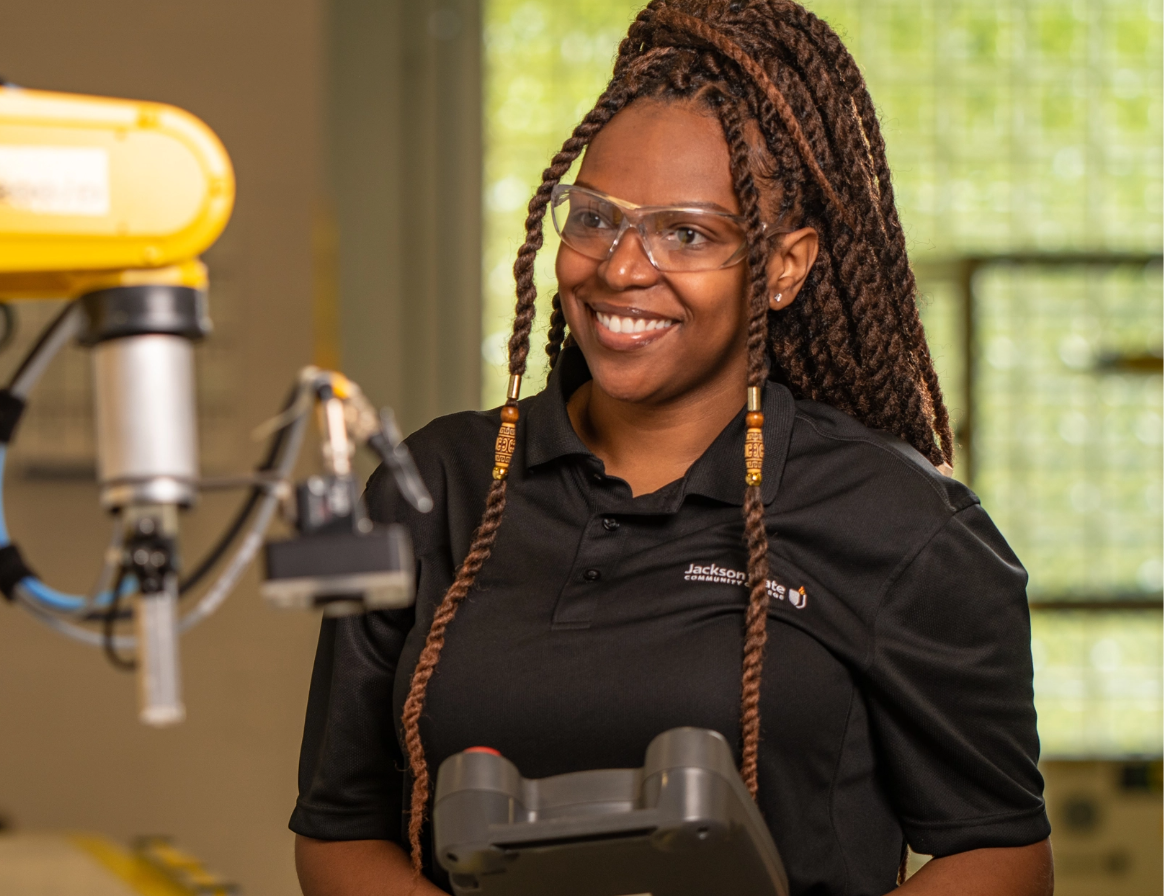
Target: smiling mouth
618, 324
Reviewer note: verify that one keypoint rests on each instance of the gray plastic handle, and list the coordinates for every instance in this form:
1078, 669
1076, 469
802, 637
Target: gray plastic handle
682, 825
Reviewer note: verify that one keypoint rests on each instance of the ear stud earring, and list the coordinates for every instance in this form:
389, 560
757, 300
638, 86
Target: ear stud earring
778, 298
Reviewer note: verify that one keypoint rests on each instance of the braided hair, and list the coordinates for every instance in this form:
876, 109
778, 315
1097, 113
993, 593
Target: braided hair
804, 144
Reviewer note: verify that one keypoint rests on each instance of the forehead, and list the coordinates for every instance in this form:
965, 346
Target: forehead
661, 153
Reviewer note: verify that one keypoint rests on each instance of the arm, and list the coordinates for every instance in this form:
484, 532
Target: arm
1012, 871
356, 868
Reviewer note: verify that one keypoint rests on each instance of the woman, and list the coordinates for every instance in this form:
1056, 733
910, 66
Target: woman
734, 285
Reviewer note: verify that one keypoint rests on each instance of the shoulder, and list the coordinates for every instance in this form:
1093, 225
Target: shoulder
454, 456
454, 436
879, 524
860, 493
830, 450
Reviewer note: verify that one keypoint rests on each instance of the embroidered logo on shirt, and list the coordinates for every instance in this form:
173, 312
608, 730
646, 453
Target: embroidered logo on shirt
721, 575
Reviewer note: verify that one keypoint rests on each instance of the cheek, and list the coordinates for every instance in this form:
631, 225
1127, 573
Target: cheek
716, 298
571, 270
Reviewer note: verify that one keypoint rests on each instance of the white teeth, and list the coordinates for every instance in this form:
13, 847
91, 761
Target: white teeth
617, 324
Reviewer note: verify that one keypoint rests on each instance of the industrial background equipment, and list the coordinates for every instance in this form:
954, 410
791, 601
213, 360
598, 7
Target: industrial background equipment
109, 203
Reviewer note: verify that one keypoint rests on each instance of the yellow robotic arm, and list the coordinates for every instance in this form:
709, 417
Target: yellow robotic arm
97, 192
109, 203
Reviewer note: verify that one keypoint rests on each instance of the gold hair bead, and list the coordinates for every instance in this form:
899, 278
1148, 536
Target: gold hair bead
754, 438
507, 435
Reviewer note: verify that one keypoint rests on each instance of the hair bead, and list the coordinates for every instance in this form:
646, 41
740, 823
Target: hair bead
507, 435
506, 441
754, 439
754, 454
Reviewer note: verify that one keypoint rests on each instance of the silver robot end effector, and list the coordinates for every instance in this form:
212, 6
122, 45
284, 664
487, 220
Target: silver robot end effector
147, 458
339, 561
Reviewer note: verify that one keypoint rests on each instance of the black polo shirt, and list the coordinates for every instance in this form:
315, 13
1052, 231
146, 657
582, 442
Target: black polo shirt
896, 698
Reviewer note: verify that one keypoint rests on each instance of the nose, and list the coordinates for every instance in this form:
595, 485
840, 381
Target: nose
628, 264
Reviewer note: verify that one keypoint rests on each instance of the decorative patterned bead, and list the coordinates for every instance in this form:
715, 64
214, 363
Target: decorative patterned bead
506, 442
754, 453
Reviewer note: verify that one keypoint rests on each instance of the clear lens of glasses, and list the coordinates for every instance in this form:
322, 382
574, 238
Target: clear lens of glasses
676, 239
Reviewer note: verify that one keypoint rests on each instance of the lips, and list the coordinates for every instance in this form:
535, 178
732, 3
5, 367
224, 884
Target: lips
631, 329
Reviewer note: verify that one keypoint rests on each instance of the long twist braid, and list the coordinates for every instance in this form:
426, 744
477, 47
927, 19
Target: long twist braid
611, 101
557, 332
479, 550
756, 536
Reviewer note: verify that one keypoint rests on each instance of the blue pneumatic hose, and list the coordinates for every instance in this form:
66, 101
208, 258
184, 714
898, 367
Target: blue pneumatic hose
38, 590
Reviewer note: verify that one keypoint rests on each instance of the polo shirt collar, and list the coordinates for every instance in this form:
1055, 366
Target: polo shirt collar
717, 474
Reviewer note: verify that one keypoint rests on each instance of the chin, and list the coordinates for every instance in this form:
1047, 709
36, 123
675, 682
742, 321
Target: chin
629, 382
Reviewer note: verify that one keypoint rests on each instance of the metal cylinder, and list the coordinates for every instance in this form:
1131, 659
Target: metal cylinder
159, 674
147, 437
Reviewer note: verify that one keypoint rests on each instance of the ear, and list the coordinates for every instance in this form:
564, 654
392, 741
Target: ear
791, 259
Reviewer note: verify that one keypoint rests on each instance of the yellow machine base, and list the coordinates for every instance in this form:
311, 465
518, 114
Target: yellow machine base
88, 865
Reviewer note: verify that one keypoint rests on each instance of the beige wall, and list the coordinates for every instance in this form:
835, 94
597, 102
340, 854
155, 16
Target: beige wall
71, 752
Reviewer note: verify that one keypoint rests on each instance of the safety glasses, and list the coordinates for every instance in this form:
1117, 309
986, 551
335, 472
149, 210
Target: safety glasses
675, 238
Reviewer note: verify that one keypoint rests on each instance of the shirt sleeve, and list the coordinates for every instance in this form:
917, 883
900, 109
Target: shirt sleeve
351, 777
951, 694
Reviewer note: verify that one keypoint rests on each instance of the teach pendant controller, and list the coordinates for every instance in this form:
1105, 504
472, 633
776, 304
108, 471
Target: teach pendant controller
682, 825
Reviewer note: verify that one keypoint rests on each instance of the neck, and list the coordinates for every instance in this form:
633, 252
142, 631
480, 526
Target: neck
651, 444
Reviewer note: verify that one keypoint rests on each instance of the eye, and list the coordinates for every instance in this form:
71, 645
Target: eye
589, 219
688, 237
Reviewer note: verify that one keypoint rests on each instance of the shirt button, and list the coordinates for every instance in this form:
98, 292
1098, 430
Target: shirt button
592, 575
610, 524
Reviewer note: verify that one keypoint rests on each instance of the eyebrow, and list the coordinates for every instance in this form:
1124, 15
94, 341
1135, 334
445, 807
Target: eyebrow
709, 206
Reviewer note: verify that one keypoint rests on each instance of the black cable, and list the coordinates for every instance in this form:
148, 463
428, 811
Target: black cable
111, 615
216, 553
41, 340
122, 615
9, 318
